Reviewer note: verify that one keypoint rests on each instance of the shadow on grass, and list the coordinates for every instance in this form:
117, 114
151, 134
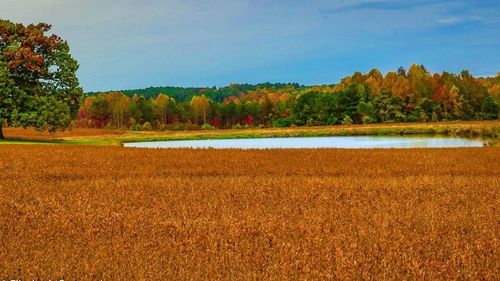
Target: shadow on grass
110, 142
23, 141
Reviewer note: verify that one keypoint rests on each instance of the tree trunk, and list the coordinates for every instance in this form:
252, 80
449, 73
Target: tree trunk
1, 133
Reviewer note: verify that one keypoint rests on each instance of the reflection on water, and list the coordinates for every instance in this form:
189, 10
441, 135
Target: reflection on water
315, 142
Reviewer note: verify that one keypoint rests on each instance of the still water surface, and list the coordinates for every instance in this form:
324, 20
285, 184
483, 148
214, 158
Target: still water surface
315, 142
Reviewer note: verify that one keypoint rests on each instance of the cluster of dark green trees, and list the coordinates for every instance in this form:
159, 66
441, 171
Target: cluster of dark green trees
401, 96
214, 94
38, 83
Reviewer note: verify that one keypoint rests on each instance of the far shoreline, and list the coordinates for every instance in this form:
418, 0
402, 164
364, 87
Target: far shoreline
488, 131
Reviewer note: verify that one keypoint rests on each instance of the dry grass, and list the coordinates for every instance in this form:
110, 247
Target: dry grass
32, 134
77, 212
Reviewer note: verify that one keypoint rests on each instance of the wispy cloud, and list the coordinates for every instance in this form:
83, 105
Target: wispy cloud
134, 44
389, 5
457, 20
488, 75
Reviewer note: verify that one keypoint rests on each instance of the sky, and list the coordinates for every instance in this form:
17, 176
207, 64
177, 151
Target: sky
131, 44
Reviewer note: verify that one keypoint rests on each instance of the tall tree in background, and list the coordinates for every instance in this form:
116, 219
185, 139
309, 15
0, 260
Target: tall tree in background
161, 108
199, 105
119, 104
38, 83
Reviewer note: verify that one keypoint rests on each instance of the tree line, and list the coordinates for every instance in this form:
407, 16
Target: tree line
39, 88
400, 96
213, 93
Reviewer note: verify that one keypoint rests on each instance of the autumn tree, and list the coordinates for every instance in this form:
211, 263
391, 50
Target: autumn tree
161, 108
199, 105
84, 114
374, 80
119, 105
38, 83
100, 112
420, 81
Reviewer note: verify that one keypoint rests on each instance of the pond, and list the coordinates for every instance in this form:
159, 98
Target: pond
316, 142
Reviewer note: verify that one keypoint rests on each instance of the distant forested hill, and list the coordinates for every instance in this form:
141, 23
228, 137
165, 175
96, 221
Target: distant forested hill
215, 94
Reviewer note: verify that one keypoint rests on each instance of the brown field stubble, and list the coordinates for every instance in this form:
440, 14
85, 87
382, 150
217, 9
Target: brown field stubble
32, 134
78, 212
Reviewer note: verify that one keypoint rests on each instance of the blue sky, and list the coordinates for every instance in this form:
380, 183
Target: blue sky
139, 43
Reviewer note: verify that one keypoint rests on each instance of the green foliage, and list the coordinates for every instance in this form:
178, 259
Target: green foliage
135, 127
490, 108
367, 112
315, 108
237, 126
216, 94
38, 83
282, 123
207, 126
346, 120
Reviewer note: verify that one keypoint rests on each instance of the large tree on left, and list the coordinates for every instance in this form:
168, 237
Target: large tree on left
38, 83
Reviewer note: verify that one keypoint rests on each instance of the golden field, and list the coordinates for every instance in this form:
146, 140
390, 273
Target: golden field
111, 213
